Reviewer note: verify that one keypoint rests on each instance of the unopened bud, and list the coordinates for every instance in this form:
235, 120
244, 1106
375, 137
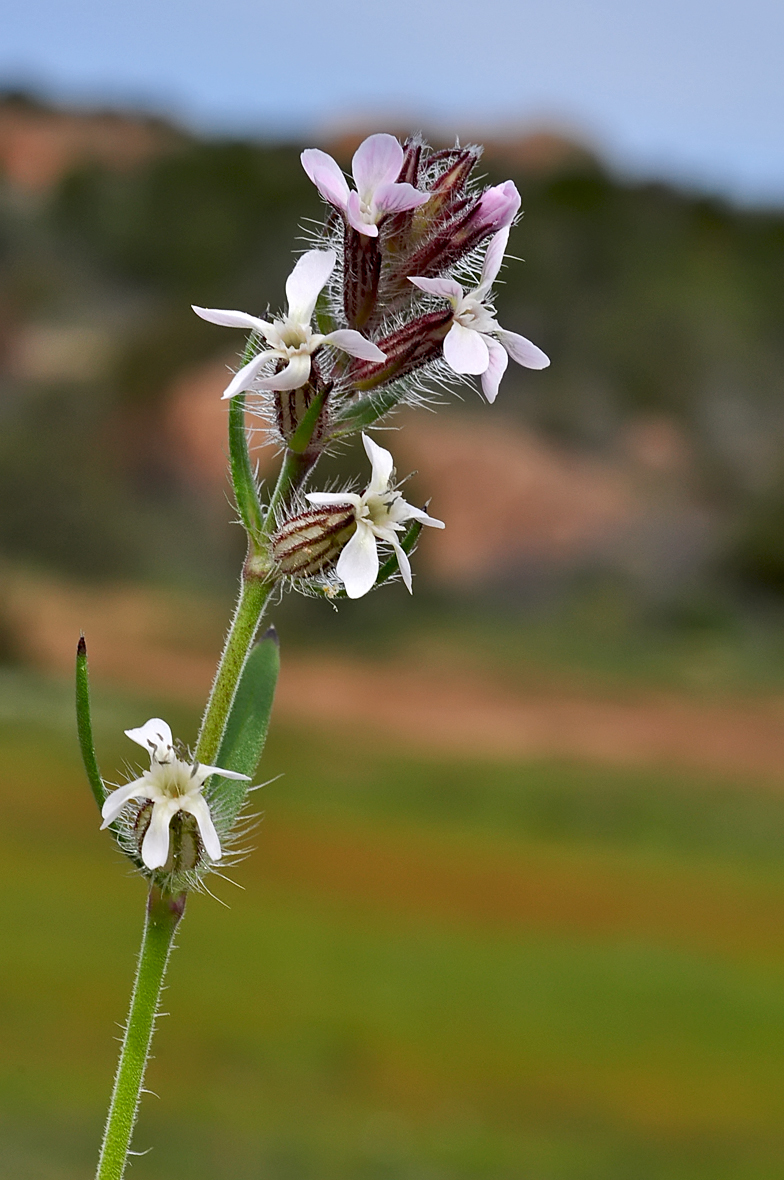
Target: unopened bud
448, 192
474, 221
498, 206
412, 153
313, 540
407, 349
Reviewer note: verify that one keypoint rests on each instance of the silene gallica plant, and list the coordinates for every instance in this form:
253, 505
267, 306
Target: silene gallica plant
394, 298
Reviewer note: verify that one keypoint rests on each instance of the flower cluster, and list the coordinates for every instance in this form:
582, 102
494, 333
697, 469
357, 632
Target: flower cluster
395, 294
415, 217
392, 316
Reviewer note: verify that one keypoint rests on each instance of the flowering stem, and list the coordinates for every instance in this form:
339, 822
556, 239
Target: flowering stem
296, 466
254, 594
163, 915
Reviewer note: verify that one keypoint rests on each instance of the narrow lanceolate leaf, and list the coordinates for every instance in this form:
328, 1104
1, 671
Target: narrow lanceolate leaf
84, 725
246, 730
305, 429
243, 480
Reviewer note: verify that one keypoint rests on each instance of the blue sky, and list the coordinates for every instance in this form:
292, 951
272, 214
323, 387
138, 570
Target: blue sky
690, 89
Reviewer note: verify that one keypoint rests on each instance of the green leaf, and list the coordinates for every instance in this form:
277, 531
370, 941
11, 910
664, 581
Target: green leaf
363, 412
246, 729
300, 441
246, 492
84, 725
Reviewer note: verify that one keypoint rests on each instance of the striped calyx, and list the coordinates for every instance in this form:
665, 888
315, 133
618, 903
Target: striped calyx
313, 540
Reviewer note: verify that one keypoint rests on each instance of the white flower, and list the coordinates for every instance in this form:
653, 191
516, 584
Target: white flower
172, 785
292, 339
380, 512
376, 166
472, 343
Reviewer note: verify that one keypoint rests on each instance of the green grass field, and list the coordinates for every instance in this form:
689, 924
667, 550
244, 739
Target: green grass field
434, 971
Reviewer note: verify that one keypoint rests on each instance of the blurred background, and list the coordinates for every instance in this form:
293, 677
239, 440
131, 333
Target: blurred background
515, 909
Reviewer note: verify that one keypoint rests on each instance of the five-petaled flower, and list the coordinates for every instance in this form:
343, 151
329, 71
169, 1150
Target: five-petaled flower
172, 785
375, 167
291, 339
472, 343
380, 513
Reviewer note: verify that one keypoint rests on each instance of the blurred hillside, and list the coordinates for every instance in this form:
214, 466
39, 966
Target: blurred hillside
651, 453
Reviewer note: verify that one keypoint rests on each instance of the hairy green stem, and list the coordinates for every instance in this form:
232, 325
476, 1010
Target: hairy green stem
254, 594
296, 467
163, 915
256, 583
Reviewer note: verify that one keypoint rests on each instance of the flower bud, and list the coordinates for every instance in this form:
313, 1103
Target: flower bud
448, 191
407, 349
412, 153
311, 541
474, 221
498, 206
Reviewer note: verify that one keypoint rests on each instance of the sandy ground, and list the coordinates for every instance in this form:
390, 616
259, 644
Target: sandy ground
438, 709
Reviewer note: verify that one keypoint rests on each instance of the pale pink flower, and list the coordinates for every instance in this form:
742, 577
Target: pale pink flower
498, 206
381, 513
291, 339
472, 343
375, 167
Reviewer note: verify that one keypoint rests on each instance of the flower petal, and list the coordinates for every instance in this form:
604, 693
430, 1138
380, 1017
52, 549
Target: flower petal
377, 161
155, 846
117, 800
243, 379
355, 344
382, 466
357, 565
232, 319
404, 565
498, 206
198, 807
304, 284
156, 738
326, 175
494, 256
293, 376
206, 771
327, 499
465, 350
522, 350
397, 198
491, 378
443, 288
357, 219
419, 514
